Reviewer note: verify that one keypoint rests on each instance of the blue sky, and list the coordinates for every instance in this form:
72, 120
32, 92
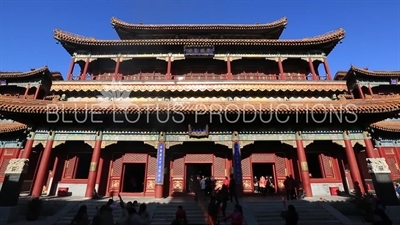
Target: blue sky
372, 27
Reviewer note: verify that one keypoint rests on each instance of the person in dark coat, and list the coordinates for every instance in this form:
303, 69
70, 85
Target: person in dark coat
232, 190
291, 216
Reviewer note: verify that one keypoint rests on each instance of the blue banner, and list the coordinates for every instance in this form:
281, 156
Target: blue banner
160, 163
194, 51
237, 162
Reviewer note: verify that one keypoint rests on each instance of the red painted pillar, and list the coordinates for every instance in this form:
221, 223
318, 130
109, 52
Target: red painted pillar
94, 165
71, 69
370, 91
310, 64
28, 145
37, 92
169, 65
360, 91
228, 68
327, 70
85, 69
117, 64
281, 72
381, 152
351, 158
369, 147
26, 90
301, 155
44, 163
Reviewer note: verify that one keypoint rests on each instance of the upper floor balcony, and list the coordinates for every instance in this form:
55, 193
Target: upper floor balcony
198, 76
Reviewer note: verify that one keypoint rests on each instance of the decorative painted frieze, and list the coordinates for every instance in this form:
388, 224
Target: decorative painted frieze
373, 83
11, 144
387, 142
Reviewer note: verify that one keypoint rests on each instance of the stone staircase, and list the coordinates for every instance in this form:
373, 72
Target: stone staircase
196, 213
91, 209
310, 213
164, 214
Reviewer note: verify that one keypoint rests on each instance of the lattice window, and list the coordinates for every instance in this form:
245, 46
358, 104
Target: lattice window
3, 166
393, 166
70, 167
219, 166
117, 165
179, 167
199, 158
327, 164
151, 165
246, 167
263, 158
280, 165
135, 158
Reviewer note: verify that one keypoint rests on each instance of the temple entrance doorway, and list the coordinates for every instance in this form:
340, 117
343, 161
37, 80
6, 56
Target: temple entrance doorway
263, 170
195, 169
133, 177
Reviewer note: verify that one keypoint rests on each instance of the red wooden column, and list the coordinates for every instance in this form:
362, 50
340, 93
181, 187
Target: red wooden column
228, 68
85, 69
369, 147
310, 64
327, 70
281, 72
158, 192
37, 91
360, 91
370, 91
94, 165
301, 155
26, 90
169, 66
117, 64
71, 69
351, 158
43, 166
28, 145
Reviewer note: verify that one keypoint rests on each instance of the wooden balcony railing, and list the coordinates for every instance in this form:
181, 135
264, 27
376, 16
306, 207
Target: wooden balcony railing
196, 76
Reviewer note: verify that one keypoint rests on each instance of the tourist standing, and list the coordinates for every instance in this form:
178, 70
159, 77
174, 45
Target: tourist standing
289, 188
290, 216
223, 196
237, 216
81, 217
144, 215
256, 187
232, 189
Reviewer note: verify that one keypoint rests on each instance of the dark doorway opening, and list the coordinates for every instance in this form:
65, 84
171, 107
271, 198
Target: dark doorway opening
83, 167
263, 169
133, 178
195, 169
314, 165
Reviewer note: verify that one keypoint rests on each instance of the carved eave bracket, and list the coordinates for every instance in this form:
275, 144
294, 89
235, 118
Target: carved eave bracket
58, 143
307, 143
37, 142
104, 144
224, 143
291, 143
360, 142
90, 143
152, 143
339, 142
244, 143
171, 144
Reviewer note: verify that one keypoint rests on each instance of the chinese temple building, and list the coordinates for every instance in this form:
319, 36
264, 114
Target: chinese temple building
141, 115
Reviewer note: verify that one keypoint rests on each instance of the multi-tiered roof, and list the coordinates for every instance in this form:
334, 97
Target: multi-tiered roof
248, 35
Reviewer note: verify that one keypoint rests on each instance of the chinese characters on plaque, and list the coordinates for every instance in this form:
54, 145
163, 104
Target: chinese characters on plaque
160, 163
197, 51
237, 162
